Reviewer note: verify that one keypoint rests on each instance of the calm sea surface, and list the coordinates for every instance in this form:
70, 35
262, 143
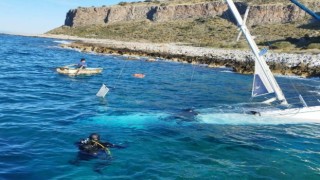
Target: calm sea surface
43, 113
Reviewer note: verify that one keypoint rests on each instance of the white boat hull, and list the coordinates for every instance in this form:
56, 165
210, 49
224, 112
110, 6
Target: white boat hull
305, 113
74, 72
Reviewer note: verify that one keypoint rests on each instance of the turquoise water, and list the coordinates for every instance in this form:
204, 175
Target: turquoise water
43, 113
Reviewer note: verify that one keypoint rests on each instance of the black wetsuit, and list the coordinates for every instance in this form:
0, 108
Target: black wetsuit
92, 147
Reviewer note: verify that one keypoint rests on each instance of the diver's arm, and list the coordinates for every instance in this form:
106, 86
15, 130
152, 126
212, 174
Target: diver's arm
110, 145
118, 146
107, 144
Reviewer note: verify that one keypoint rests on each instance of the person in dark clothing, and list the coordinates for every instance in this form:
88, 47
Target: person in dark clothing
82, 64
93, 146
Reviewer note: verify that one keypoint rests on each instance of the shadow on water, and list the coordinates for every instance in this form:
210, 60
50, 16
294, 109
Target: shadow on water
184, 115
100, 162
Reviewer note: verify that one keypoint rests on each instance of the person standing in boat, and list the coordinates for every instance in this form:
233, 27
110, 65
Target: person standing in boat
82, 64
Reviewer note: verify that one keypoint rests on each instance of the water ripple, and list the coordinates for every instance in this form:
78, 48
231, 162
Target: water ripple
43, 113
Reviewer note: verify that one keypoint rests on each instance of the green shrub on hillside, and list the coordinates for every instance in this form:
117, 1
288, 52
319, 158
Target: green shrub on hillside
211, 32
313, 46
284, 45
122, 3
241, 45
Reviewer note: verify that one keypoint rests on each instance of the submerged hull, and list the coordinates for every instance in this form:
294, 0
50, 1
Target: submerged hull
305, 113
74, 72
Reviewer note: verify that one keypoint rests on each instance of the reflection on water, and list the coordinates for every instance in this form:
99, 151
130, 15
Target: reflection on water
43, 113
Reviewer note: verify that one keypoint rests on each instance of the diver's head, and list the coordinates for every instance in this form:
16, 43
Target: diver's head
94, 136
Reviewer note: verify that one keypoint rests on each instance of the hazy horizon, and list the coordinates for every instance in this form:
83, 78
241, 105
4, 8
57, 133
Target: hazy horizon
40, 16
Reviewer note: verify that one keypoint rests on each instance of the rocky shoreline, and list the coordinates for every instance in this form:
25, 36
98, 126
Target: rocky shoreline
241, 61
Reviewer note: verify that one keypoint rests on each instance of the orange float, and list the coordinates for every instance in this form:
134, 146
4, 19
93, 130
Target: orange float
139, 75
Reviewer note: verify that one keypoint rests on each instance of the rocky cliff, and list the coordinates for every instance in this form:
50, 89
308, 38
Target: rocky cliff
259, 14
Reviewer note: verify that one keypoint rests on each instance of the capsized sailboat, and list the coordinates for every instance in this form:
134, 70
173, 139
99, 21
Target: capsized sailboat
265, 83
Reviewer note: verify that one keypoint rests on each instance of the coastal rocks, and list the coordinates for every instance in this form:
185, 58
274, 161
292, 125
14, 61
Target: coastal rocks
306, 65
259, 14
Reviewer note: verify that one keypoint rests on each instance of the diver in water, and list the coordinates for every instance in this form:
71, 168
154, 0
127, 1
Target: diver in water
93, 146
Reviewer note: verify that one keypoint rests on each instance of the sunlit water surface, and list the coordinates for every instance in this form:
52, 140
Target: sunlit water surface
43, 113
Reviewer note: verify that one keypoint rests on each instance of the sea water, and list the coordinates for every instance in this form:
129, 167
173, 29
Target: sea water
43, 113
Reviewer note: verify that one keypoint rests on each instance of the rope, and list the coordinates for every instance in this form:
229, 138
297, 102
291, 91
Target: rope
116, 81
105, 148
192, 73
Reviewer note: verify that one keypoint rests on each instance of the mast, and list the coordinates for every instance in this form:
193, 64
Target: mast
269, 76
311, 13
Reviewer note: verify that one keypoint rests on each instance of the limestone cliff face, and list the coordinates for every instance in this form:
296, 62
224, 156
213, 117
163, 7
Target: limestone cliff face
86, 16
177, 12
259, 14
271, 14
104, 15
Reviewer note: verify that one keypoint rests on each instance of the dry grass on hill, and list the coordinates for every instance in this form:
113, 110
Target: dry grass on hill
216, 32
210, 32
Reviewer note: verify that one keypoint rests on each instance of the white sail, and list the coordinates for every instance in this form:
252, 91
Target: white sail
263, 77
261, 84
264, 83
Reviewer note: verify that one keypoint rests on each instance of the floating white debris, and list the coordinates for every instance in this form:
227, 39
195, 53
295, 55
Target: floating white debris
103, 91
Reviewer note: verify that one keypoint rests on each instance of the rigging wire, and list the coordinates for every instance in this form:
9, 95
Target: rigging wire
269, 44
120, 74
191, 79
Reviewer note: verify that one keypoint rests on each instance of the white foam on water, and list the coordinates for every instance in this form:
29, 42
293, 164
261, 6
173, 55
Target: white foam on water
226, 71
290, 76
62, 42
316, 92
132, 120
246, 119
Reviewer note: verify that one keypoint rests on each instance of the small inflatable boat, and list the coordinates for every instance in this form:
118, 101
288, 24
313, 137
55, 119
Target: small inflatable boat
77, 71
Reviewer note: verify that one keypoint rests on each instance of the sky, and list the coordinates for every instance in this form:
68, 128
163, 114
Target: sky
40, 16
